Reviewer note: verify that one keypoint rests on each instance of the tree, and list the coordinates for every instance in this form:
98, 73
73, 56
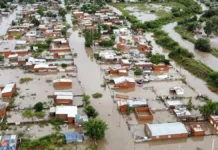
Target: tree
90, 111
38, 107
210, 108
48, 41
209, 27
64, 31
189, 104
74, 22
62, 12
35, 21
95, 129
203, 45
158, 58
64, 65
88, 39
1, 58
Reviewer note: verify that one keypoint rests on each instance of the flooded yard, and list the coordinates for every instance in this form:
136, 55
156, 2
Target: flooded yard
38, 89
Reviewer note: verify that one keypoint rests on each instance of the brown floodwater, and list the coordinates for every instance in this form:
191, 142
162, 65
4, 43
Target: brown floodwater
206, 58
5, 22
118, 137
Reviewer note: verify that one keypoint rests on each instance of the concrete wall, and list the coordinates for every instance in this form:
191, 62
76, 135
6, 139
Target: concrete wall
148, 116
62, 84
63, 102
3, 112
125, 85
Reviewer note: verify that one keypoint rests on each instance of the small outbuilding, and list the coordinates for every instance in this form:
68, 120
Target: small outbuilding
197, 130
63, 83
8, 90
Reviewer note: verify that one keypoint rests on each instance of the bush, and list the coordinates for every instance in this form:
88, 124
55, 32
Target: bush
25, 80
90, 111
75, 54
86, 100
138, 72
64, 65
38, 107
74, 22
203, 45
97, 95
106, 43
28, 113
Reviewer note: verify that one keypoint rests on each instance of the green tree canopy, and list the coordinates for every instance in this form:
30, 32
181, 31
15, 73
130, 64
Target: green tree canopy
95, 128
38, 106
90, 111
203, 45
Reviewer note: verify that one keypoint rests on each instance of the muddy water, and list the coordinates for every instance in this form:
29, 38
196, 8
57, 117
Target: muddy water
142, 16
117, 136
5, 22
206, 58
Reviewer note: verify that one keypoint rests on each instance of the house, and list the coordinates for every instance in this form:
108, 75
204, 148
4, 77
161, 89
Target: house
77, 14
6, 46
197, 130
125, 62
143, 113
124, 82
60, 45
42, 67
13, 58
172, 104
142, 65
63, 98
8, 142
107, 55
143, 47
122, 71
8, 90
214, 121
63, 83
160, 67
66, 113
133, 103
2, 110
164, 131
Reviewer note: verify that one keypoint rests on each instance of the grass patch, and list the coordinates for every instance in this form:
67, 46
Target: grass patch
29, 114
25, 80
214, 52
97, 95
47, 142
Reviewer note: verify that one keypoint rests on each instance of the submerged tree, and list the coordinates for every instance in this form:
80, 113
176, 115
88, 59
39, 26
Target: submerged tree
95, 129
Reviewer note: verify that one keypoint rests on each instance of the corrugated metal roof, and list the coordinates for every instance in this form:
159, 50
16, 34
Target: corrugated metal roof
167, 129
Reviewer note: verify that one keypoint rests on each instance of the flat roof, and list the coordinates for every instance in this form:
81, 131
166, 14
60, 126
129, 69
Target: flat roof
8, 88
62, 80
65, 93
71, 111
7, 45
64, 97
167, 129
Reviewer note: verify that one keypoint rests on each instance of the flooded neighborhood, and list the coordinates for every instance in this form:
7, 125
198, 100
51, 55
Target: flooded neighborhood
108, 75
